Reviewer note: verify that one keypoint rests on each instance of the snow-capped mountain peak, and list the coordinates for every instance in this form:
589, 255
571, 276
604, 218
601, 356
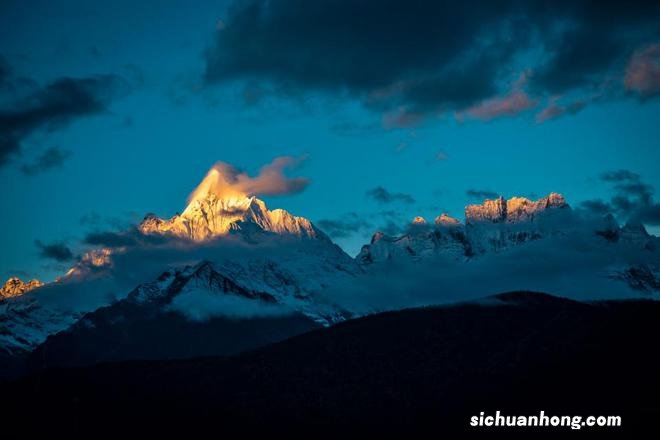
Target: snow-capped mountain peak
446, 221
215, 209
14, 286
513, 210
493, 225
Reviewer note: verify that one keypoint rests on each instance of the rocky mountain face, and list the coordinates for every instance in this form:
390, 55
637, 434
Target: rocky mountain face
15, 287
490, 227
272, 284
274, 287
213, 216
201, 310
499, 225
513, 210
281, 261
213, 211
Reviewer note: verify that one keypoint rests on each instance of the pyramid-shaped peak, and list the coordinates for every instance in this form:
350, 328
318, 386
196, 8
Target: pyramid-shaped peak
217, 208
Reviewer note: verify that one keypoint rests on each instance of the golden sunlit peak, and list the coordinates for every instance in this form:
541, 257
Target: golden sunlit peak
217, 182
228, 182
226, 199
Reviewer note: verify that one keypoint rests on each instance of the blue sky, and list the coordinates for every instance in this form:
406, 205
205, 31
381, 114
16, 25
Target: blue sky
178, 111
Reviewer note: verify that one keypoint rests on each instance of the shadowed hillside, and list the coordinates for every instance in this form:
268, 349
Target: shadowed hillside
519, 353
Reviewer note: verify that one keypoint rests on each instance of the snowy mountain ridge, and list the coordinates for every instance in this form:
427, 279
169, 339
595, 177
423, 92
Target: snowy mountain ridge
241, 258
490, 227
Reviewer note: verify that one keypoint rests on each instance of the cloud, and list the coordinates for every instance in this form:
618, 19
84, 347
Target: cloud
554, 110
110, 239
402, 118
34, 108
633, 198
643, 72
511, 104
629, 184
415, 60
574, 264
53, 157
619, 176
200, 305
348, 225
481, 194
226, 180
650, 214
596, 206
382, 195
54, 251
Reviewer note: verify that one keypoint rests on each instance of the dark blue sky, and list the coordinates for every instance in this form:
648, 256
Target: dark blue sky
112, 110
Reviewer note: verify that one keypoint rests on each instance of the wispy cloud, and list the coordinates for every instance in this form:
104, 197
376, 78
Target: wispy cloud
632, 198
345, 226
54, 251
481, 194
554, 110
226, 180
53, 157
643, 72
53, 106
382, 195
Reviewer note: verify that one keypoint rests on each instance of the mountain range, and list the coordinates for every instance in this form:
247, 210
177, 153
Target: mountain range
228, 266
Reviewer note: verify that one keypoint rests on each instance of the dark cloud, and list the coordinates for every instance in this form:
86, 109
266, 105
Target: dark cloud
382, 195
51, 158
413, 58
348, 225
619, 176
596, 206
628, 185
54, 251
51, 107
110, 239
650, 214
129, 237
481, 194
633, 198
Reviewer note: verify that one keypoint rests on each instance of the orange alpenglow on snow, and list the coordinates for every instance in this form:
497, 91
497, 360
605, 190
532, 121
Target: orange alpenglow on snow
15, 287
513, 210
225, 200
